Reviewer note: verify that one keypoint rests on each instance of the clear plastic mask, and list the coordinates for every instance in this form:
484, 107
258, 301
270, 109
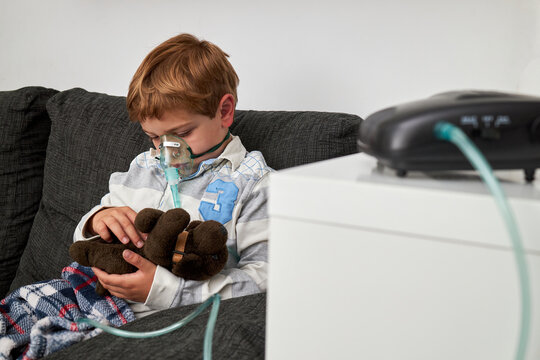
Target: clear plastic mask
175, 152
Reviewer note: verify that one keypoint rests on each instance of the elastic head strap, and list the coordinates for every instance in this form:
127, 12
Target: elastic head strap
194, 156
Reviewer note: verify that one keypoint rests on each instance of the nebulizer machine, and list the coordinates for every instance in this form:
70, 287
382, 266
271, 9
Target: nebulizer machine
176, 160
464, 130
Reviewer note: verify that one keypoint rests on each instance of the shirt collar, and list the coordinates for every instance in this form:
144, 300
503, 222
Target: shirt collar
234, 152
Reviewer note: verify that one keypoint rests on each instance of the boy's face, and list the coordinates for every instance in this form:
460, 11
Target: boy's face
200, 132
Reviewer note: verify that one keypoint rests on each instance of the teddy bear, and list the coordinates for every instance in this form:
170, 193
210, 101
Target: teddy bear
205, 252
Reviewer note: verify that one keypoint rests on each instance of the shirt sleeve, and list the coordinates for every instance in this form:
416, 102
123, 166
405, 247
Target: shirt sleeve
243, 276
141, 186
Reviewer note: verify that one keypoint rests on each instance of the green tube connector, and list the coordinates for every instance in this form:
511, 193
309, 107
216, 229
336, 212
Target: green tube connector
173, 178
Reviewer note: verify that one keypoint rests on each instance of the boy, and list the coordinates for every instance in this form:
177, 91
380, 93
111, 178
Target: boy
187, 87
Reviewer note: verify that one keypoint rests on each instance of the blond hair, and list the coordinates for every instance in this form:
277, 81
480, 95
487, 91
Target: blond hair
182, 72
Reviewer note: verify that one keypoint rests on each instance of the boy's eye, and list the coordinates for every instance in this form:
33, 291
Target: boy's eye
184, 134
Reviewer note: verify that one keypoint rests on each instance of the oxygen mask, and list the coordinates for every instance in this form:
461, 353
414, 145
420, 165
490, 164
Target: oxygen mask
176, 159
175, 153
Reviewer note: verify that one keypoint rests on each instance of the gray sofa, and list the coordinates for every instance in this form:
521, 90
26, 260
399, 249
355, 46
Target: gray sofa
58, 149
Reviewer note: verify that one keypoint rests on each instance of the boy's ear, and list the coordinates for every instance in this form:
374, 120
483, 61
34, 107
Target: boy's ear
226, 110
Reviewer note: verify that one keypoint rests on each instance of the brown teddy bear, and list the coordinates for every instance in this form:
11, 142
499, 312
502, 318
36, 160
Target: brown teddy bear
205, 251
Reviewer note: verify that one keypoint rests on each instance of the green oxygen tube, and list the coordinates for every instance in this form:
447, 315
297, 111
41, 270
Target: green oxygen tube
176, 159
451, 133
208, 334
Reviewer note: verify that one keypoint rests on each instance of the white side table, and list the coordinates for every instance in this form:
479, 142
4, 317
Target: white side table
366, 265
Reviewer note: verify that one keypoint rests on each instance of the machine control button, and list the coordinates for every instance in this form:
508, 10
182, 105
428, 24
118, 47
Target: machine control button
490, 133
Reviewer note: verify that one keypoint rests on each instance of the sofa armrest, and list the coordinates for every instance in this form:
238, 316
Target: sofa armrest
24, 132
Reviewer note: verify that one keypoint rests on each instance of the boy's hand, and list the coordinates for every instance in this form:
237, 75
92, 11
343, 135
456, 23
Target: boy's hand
134, 286
119, 220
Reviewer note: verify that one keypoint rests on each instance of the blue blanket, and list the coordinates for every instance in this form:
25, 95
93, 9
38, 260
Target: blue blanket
39, 319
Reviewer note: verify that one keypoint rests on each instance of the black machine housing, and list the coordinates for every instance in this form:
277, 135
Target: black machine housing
505, 127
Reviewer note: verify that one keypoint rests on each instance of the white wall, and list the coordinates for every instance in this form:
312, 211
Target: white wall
339, 55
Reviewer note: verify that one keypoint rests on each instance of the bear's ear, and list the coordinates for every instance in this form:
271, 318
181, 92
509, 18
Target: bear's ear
146, 219
192, 225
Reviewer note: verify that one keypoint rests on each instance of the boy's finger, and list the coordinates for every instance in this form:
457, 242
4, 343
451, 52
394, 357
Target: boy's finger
136, 260
113, 289
99, 273
131, 214
106, 279
134, 236
125, 220
104, 233
118, 230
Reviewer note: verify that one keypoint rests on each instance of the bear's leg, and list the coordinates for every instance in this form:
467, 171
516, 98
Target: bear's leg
109, 258
79, 250
159, 247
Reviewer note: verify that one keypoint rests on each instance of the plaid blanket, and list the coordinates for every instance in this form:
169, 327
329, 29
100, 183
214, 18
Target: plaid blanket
39, 319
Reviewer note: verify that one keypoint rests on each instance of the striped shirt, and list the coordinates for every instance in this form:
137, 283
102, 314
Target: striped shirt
231, 189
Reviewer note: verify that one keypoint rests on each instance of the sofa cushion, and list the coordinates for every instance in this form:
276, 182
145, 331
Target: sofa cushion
91, 137
24, 131
292, 138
